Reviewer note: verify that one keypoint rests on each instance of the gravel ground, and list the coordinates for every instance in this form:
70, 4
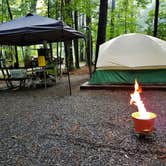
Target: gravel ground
47, 127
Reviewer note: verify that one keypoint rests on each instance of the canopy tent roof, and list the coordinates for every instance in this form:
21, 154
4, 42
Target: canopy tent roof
33, 29
132, 51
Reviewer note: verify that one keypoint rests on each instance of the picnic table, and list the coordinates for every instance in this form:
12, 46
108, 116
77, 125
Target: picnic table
37, 75
12, 74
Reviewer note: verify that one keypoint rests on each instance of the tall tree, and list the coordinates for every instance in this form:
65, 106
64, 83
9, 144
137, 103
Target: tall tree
89, 43
33, 6
161, 25
9, 10
125, 4
101, 34
11, 17
82, 24
76, 41
156, 18
112, 19
68, 45
49, 14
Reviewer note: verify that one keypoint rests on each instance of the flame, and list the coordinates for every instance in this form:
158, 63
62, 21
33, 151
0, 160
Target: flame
136, 100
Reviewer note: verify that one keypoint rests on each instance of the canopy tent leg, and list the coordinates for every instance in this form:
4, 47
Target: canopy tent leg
69, 82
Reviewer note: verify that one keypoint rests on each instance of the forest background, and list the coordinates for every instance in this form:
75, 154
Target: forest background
99, 20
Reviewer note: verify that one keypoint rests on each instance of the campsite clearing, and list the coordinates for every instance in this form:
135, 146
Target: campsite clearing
93, 128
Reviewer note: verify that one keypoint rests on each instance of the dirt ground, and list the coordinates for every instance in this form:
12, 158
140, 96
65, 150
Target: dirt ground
47, 126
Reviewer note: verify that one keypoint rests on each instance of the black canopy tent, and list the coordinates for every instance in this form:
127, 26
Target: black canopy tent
34, 29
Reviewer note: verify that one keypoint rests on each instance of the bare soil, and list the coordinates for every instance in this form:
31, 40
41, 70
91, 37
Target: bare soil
47, 126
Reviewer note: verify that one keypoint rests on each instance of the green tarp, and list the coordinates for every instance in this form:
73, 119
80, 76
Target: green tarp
156, 76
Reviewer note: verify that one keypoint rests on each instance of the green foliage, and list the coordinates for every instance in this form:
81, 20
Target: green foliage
18, 8
84, 6
123, 18
143, 3
161, 22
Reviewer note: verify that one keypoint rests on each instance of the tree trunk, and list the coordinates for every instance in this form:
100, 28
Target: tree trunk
156, 18
48, 14
48, 8
69, 43
33, 6
9, 10
76, 41
89, 44
89, 51
82, 42
101, 35
125, 21
68, 57
11, 17
112, 19
62, 6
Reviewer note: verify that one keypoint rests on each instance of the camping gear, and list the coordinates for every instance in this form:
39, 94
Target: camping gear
129, 57
41, 61
143, 126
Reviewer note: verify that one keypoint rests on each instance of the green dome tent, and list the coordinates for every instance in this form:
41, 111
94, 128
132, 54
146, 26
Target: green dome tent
129, 57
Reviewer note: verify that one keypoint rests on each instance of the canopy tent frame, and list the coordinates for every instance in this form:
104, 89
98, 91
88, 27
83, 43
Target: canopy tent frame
33, 29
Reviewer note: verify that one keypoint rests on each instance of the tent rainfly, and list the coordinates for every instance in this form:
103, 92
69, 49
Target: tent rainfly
129, 57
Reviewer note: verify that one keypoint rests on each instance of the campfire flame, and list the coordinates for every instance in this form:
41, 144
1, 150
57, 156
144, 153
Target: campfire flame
136, 100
